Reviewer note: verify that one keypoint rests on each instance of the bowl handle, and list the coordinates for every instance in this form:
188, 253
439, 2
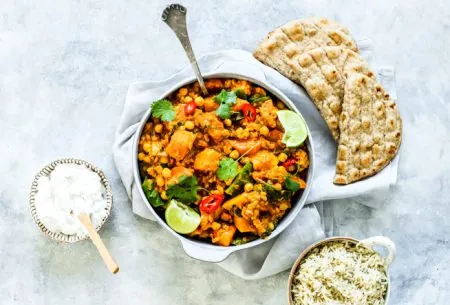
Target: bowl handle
206, 254
384, 242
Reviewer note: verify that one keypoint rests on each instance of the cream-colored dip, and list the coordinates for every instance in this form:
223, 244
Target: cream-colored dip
70, 189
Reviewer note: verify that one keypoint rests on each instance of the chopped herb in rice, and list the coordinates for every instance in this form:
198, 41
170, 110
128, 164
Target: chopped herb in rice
339, 273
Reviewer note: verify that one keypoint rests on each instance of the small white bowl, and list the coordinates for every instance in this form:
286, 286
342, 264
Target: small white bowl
45, 172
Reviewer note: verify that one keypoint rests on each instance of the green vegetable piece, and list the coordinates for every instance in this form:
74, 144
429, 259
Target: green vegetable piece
241, 179
225, 99
228, 168
163, 109
224, 111
152, 195
274, 195
240, 93
185, 190
291, 184
258, 98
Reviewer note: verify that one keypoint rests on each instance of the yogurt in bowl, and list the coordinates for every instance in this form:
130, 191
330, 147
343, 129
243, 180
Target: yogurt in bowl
65, 188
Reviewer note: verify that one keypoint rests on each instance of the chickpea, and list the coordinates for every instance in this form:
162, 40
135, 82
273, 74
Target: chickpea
164, 195
159, 169
147, 147
258, 188
147, 159
199, 101
271, 225
283, 206
227, 149
159, 181
183, 91
282, 157
158, 128
272, 145
188, 99
166, 173
215, 226
227, 122
248, 187
277, 186
242, 133
234, 154
164, 160
141, 156
264, 131
155, 138
189, 125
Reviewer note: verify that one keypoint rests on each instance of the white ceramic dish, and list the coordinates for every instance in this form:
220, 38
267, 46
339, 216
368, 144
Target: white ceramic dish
58, 236
202, 250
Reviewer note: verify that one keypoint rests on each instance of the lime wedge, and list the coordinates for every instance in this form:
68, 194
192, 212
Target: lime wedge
181, 218
295, 130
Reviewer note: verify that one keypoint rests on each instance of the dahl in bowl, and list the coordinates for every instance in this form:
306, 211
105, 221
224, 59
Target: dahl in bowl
223, 168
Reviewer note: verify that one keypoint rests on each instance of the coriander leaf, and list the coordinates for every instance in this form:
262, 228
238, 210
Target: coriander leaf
225, 97
185, 190
163, 109
291, 184
241, 179
228, 168
152, 195
224, 111
258, 98
240, 93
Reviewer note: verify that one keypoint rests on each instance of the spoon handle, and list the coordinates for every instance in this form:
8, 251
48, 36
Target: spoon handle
174, 16
106, 256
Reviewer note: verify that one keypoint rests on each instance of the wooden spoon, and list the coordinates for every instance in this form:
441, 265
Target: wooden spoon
106, 256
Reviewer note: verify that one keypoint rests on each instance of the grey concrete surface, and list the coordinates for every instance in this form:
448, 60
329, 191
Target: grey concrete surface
64, 71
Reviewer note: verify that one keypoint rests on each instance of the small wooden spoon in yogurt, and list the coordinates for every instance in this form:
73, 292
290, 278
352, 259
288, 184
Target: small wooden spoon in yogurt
104, 253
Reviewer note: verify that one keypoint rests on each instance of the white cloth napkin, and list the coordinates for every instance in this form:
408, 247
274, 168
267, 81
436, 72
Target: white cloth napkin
278, 254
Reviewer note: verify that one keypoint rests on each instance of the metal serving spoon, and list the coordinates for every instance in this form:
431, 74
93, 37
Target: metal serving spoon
174, 16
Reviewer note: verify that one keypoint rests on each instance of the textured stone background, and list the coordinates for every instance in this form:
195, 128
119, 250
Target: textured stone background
64, 70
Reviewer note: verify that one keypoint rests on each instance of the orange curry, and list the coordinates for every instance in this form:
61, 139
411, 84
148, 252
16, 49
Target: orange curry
223, 156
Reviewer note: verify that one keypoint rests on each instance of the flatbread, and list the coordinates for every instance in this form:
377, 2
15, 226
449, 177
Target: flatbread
284, 47
370, 129
322, 72
281, 46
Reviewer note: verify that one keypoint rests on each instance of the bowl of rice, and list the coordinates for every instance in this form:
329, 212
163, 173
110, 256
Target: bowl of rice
342, 270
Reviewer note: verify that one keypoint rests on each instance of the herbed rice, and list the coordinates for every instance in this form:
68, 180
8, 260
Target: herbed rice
340, 273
